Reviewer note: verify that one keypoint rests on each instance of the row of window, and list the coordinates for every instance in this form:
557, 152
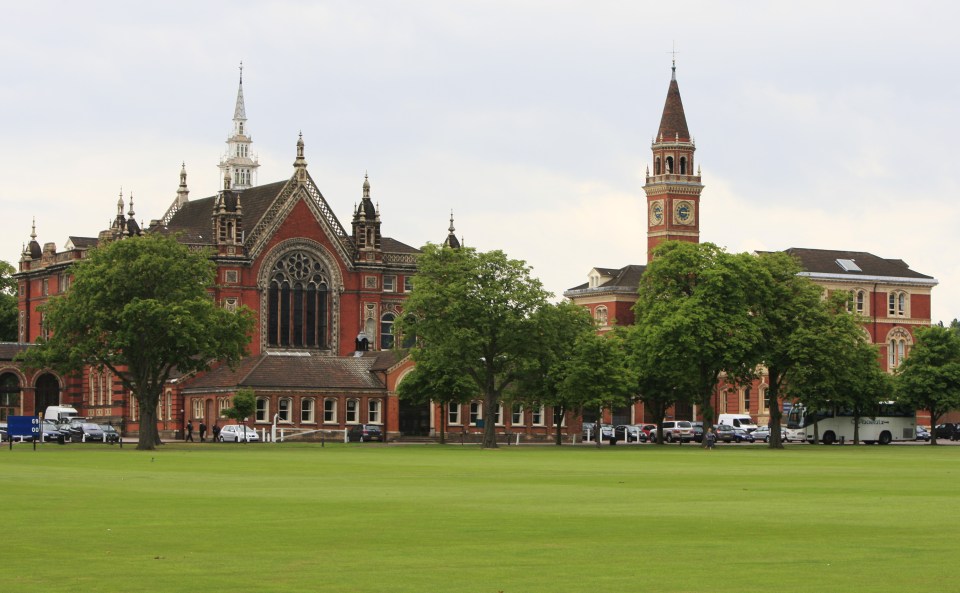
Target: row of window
475, 413
898, 302
390, 283
285, 408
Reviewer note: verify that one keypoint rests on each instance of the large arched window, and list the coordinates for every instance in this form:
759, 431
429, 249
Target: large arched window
298, 303
9, 395
386, 330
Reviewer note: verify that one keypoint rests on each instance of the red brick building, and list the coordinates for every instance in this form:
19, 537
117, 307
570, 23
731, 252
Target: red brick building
894, 298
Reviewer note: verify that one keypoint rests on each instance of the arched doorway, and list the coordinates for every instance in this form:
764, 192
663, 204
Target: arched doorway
47, 392
9, 395
414, 419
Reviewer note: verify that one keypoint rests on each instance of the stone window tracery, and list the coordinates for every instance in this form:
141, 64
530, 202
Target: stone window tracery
298, 302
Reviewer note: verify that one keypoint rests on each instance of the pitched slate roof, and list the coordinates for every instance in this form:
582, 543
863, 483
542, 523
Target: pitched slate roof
825, 262
8, 350
300, 370
193, 219
625, 279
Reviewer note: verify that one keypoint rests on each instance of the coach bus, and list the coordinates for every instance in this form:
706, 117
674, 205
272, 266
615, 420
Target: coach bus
887, 423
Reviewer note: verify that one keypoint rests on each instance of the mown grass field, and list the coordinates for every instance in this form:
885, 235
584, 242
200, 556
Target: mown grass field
367, 518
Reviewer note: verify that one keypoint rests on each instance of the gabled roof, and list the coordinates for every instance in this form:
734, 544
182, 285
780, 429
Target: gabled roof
194, 223
624, 280
836, 264
292, 370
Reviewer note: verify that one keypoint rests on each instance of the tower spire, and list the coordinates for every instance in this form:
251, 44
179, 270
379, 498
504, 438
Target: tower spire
673, 191
239, 160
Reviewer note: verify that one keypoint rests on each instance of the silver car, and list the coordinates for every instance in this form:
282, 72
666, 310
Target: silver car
233, 433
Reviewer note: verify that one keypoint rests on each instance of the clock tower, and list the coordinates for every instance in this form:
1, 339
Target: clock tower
673, 191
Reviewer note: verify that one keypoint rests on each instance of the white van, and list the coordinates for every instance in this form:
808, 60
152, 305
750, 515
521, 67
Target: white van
60, 413
743, 421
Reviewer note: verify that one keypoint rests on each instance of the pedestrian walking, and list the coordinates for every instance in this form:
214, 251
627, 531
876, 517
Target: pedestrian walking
203, 432
189, 436
216, 431
711, 438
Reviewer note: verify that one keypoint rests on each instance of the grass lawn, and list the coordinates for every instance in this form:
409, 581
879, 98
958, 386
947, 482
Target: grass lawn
351, 518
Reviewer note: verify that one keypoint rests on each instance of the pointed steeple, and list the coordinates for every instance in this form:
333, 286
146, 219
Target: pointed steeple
451, 240
240, 112
673, 122
239, 160
366, 227
673, 191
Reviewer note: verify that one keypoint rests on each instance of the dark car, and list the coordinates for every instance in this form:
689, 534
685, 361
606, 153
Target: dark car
606, 431
51, 431
365, 433
629, 433
697, 431
88, 432
110, 434
729, 434
947, 430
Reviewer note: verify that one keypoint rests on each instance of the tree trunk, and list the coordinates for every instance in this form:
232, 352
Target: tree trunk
149, 436
557, 421
443, 422
489, 420
774, 376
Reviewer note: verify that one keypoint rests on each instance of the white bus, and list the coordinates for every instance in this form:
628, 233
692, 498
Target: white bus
887, 423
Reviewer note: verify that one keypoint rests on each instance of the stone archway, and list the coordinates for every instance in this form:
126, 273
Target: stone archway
47, 392
414, 418
10, 400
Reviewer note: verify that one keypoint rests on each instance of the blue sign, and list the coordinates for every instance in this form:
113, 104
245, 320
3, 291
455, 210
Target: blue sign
23, 426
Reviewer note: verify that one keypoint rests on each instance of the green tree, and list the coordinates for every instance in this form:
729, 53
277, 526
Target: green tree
929, 379
695, 303
428, 382
472, 315
597, 375
244, 404
831, 363
662, 377
140, 308
8, 304
557, 328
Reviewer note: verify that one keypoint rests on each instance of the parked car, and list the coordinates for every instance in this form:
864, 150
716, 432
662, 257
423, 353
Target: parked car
677, 430
947, 430
650, 430
110, 434
923, 434
365, 433
697, 431
743, 435
589, 428
763, 434
51, 431
629, 433
728, 434
232, 433
87, 432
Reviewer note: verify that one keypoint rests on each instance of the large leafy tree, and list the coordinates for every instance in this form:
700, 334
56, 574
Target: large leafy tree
663, 378
140, 308
428, 382
695, 303
929, 379
8, 303
556, 330
472, 314
829, 361
597, 375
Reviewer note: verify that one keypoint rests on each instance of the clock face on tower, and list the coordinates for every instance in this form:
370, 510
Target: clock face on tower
683, 212
656, 212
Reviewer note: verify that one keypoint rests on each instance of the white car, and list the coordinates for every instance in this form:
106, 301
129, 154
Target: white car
232, 433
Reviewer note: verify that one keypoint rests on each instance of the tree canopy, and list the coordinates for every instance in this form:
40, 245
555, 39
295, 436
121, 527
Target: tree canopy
473, 314
8, 304
140, 307
694, 309
929, 379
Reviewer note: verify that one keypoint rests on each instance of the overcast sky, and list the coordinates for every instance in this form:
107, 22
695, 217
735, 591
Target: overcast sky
826, 125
